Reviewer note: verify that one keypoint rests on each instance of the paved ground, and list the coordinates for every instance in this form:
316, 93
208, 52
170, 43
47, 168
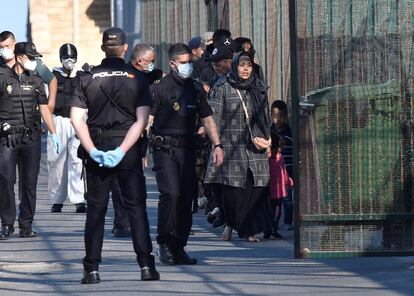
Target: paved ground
51, 263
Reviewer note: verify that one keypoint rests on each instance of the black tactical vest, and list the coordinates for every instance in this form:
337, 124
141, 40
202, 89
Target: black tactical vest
19, 101
65, 90
178, 111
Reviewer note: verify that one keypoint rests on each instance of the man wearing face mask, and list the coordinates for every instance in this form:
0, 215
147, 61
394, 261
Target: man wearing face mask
143, 60
7, 43
178, 99
23, 102
65, 167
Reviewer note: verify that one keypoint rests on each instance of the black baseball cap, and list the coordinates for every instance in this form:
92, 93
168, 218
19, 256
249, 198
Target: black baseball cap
113, 37
26, 48
221, 52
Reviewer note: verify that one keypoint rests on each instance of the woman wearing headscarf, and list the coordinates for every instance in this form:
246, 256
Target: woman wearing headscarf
241, 112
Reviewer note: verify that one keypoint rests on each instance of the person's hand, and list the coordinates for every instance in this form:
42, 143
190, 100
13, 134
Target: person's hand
56, 142
218, 156
113, 157
97, 155
145, 162
202, 131
261, 143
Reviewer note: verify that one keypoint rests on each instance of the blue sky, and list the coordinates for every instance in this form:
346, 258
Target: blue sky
14, 17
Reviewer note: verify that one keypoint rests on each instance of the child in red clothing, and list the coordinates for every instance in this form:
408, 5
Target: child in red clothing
279, 184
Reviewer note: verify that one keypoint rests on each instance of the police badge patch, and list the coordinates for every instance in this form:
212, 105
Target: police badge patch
176, 106
9, 89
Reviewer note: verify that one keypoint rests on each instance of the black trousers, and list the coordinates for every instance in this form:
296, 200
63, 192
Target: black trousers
176, 179
27, 157
120, 212
131, 180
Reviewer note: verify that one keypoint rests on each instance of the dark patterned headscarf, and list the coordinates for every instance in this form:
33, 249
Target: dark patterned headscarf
260, 122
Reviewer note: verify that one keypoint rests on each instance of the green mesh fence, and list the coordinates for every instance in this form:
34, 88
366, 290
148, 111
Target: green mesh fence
356, 63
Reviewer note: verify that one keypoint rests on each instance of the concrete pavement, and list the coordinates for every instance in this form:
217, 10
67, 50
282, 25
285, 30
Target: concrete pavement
51, 264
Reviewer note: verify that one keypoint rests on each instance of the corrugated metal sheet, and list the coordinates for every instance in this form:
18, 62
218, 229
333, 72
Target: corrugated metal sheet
164, 22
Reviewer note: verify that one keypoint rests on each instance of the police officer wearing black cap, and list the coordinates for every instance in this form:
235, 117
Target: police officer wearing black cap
22, 102
117, 103
177, 101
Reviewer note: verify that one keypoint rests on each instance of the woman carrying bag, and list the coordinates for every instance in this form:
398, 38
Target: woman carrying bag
241, 112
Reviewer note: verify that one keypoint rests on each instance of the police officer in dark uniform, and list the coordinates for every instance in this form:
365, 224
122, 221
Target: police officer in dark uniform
142, 60
117, 102
22, 102
177, 101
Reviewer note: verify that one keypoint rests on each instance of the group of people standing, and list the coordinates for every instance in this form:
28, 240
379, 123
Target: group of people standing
105, 116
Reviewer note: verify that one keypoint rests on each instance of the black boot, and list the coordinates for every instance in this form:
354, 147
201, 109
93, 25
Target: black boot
166, 254
56, 208
182, 258
90, 277
6, 231
27, 232
80, 208
148, 271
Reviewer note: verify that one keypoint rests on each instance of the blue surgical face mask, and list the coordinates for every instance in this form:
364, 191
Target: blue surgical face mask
185, 70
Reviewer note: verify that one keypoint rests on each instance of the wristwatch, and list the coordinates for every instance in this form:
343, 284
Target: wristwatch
218, 146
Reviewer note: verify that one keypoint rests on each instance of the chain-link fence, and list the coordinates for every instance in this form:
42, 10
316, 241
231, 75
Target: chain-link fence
355, 61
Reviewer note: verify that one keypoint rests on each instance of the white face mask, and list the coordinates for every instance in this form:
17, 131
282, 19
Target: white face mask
150, 67
69, 63
30, 65
6, 53
185, 70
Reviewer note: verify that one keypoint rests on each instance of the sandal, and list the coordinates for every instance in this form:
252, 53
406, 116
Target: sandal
253, 239
226, 236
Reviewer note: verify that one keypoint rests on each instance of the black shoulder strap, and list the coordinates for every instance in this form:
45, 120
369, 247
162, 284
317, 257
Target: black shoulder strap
114, 103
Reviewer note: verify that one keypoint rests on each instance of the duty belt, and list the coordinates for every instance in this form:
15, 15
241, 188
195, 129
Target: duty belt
169, 141
14, 129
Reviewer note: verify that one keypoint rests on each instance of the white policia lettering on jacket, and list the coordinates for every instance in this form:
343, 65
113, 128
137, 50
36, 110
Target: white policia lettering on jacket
113, 73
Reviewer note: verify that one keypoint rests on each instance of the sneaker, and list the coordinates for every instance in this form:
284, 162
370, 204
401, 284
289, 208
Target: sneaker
212, 215
166, 254
202, 202
56, 208
6, 231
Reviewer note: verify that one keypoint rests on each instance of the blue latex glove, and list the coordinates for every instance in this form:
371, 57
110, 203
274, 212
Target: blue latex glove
97, 155
56, 142
113, 157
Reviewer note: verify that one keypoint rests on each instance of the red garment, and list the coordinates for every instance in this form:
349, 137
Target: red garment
279, 178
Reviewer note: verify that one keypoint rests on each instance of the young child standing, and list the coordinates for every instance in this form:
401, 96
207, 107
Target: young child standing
280, 166
279, 184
